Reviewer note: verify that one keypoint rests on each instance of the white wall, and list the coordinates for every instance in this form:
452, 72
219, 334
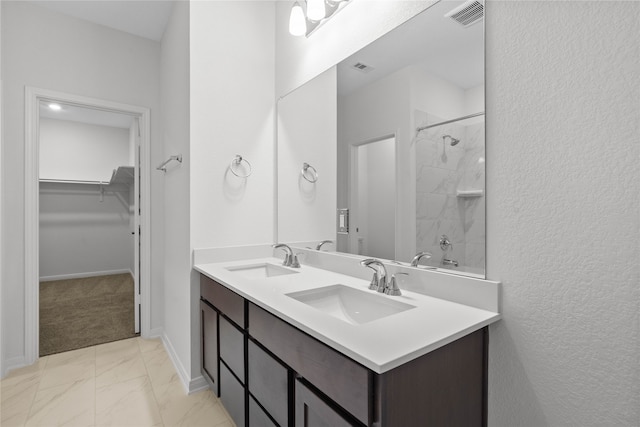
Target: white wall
175, 118
566, 352
81, 236
232, 112
47, 50
307, 132
376, 219
1, 192
558, 96
376, 111
81, 151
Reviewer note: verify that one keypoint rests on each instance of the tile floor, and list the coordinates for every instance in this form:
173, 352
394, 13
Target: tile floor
123, 383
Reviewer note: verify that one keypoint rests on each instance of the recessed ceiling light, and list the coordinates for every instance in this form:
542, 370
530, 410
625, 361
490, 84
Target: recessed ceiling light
55, 107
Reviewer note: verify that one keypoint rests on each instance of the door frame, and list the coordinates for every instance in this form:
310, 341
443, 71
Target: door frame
352, 188
33, 96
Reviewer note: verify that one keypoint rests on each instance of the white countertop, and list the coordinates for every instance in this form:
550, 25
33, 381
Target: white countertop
380, 345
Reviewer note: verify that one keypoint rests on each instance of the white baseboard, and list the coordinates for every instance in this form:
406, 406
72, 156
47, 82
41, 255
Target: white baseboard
155, 333
197, 384
12, 364
180, 370
190, 385
83, 275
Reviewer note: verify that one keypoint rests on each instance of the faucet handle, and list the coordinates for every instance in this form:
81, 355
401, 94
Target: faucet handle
392, 289
293, 261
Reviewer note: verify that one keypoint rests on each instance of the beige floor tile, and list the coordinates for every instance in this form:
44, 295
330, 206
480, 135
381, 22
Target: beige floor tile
129, 403
71, 357
123, 347
71, 404
118, 368
149, 344
159, 367
17, 399
17, 392
179, 409
69, 367
227, 423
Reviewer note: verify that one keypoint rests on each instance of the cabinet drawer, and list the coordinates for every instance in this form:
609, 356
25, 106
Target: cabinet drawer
232, 395
312, 411
343, 380
209, 329
228, 302
257, 417
268, 382
232, 347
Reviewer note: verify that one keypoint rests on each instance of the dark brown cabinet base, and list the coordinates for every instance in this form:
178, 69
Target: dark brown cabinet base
270, 373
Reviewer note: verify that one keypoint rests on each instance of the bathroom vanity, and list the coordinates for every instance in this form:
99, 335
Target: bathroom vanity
278, 353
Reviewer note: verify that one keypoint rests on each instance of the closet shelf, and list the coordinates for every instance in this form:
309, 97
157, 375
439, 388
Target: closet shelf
465, 194
123, 175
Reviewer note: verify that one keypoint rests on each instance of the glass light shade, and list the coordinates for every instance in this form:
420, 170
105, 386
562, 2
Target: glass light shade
297, 21
316, 10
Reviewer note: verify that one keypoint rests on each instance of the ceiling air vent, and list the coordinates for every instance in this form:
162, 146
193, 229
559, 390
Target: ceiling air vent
467, 13
363, 67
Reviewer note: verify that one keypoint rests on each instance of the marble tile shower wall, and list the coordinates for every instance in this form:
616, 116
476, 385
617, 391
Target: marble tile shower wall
441, 170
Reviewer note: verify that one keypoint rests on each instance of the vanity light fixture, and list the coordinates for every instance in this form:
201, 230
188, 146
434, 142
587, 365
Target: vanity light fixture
316, 10
55, 107
297, 21
307, 15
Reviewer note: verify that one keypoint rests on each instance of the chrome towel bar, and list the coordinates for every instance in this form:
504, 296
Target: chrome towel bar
163, 167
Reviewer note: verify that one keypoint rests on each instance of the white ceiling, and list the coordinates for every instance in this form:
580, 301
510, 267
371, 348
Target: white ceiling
144, 18
91, 116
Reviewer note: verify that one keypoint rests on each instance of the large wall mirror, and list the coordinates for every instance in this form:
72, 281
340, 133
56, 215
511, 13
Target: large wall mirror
395, 135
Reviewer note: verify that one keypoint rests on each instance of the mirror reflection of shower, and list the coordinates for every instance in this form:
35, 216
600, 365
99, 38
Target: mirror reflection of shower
450, 190
452, 141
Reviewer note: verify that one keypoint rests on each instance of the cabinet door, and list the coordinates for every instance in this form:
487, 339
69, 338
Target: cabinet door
312, 411
269, 383
232, 347
257, 417
232, 395
209, 329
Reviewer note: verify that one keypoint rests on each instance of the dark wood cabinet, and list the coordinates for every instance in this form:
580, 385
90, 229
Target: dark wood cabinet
232, 347
209, 331
232, 395
269, 383
272, 374
313, 411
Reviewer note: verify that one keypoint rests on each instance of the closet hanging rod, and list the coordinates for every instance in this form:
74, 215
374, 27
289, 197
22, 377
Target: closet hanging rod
450, 121
177, 157
73, 181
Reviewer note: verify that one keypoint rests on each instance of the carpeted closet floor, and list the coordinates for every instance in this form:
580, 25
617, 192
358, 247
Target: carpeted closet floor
78, 313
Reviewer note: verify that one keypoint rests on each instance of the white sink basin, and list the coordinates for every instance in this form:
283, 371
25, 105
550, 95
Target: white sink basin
350, 305
261, 271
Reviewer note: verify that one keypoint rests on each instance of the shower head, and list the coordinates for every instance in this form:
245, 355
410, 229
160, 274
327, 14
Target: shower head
453, 141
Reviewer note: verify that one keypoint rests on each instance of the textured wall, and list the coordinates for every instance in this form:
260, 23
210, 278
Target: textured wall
563, 187
563, 180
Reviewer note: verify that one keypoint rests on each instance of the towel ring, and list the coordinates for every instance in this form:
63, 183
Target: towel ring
236, 162
306, 167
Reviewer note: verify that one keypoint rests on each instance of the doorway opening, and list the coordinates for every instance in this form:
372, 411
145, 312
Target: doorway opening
86, 226
373, 197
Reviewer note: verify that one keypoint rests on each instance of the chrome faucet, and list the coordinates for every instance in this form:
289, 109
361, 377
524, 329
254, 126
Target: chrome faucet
379, 280
416, 259
319, 247
393, 289
290, 259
